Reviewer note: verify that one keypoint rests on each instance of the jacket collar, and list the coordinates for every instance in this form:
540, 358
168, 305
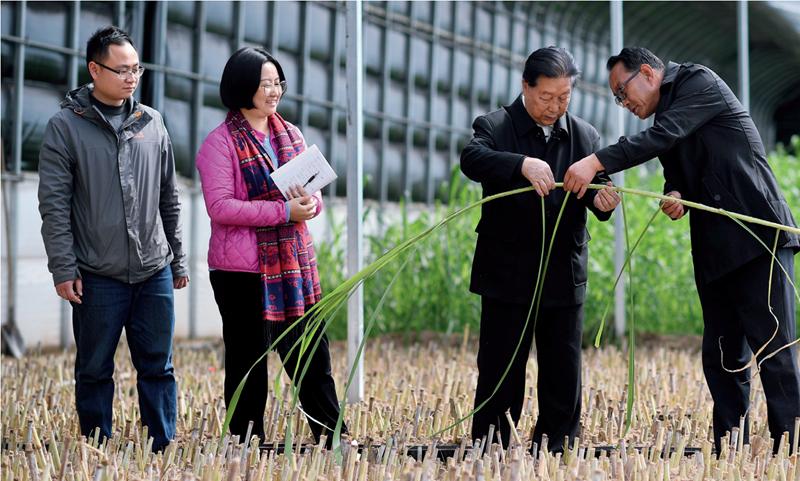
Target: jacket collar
670, 72
523, 123
79, 102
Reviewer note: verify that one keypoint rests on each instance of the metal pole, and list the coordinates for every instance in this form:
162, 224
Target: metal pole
305, 62
136, 28
74, 41
333, 132
355, 191
239, 25
383, 174
619, 179
12, 181
433, 54
194, 204
160, 56
65, 327
119, 17
743, 38
410, 113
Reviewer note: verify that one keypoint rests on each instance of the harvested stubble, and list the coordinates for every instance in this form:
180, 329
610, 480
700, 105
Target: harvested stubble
411, 392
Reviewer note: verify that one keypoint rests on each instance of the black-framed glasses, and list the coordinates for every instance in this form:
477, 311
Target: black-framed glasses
280, 87
124, 73
620, 96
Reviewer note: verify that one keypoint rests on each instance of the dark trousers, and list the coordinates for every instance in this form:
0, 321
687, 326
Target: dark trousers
247, 336
736, 315
558, 353
146, 311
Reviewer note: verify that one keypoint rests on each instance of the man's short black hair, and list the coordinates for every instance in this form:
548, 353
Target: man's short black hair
633, 58
242, 76
552, 62
97, 46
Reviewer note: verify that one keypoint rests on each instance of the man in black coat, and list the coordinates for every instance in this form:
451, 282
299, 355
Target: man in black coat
712, 153
528, 143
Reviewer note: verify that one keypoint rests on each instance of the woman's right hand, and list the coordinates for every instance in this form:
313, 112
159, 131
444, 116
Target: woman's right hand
302, 208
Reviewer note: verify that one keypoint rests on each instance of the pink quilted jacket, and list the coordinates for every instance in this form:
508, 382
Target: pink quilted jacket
232, 246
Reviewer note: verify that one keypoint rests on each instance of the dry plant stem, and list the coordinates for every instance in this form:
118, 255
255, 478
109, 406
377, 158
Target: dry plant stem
788, 278
761, 349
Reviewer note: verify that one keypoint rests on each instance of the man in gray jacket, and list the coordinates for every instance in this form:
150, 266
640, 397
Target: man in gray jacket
108, 198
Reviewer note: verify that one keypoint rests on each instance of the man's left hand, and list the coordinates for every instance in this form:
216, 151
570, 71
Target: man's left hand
580, 174
180, 282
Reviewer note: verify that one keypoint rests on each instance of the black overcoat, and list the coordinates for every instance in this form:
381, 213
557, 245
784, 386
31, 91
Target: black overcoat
508, 249
712, 154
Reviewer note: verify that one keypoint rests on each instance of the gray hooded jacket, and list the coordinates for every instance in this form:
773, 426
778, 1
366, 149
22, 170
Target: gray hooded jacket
108, 200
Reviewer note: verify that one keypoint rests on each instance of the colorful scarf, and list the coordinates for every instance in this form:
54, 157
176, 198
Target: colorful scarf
286, 259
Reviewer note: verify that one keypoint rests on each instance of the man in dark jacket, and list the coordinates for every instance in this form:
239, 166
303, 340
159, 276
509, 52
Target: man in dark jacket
712, 153
108, 198
529, 143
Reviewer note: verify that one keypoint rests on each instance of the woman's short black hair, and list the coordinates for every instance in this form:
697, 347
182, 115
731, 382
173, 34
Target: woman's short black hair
242, 76
552, 62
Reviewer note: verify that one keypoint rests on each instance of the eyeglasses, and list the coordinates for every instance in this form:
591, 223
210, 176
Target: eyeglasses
280, 87
124, 73
620, 96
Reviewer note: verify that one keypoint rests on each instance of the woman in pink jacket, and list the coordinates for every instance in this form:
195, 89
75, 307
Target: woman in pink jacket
263, 268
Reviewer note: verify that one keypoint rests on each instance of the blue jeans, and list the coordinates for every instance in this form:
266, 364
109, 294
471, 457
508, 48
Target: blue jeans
146, 311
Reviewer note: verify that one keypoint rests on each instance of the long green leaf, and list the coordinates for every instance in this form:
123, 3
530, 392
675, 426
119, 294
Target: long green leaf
628, 256
536, 290
631, 395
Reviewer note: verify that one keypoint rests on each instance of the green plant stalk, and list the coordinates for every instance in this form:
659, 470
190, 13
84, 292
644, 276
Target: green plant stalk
373, 318
331, 302
631, 326
761, 349
313, 325
791, 282
313, 314
311, 328
769, 306
769, 297
369, 270
238, 392
622, 271
419, 238
351, 283
540, 284
771, 251
539, 273
697, 205
536, 294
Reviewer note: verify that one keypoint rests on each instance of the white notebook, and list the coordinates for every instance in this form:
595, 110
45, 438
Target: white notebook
310, 170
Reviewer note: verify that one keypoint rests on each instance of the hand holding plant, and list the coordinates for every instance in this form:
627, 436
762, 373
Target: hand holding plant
674, 210
606, 199
539, 174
